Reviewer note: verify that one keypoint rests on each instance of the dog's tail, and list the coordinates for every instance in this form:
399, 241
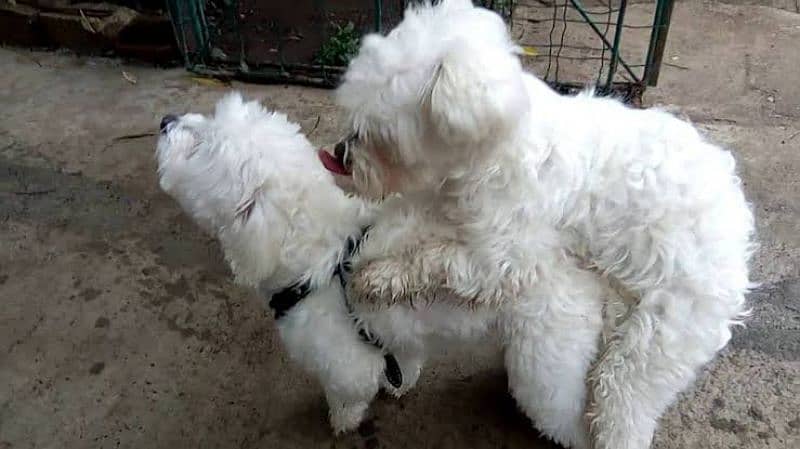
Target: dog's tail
682, 319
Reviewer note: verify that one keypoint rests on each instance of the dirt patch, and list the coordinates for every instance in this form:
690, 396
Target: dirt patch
90, 294
97, 368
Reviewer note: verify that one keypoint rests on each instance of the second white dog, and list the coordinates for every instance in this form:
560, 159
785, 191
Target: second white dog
517, 189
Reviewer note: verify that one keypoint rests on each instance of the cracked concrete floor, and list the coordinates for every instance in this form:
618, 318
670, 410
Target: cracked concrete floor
119, 326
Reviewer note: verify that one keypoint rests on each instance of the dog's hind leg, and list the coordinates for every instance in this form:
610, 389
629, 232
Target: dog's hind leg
551, 340
652, 356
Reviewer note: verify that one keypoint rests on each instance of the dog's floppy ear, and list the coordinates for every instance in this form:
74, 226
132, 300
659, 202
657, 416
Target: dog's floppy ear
475, 94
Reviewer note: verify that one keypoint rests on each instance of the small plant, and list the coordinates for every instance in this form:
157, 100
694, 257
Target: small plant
340, 47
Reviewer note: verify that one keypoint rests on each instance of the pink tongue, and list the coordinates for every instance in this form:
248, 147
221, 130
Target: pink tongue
331, 163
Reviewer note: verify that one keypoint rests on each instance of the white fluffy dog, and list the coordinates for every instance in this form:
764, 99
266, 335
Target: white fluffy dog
248, 177
535, 210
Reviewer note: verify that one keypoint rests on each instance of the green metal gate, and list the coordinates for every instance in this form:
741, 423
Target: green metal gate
615, 45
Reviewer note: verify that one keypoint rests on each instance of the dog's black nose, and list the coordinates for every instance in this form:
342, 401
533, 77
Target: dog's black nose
169, 118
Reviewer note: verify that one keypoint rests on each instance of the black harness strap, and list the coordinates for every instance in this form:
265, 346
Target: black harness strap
282, 301
392, 371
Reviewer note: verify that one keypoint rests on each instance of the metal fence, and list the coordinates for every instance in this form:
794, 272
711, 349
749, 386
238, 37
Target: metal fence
615, 45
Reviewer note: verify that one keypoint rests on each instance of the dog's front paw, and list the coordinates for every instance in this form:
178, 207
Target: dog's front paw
347, 417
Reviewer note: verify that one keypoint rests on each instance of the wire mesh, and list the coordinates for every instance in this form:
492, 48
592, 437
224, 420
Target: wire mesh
614, 45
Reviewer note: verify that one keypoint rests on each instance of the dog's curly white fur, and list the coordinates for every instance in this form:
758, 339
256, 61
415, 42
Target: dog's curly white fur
541, 199
248, 177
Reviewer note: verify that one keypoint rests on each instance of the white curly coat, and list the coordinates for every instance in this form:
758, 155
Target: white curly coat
248, 177
535, 209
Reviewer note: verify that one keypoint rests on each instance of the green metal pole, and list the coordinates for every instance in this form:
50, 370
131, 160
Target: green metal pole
177, 18
658, 41
233, 10
582, 11
199, 34
201, 13
378, 15
612, 68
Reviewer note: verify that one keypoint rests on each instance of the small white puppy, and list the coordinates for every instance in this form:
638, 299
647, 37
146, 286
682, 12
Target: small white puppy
535, 200
248, 177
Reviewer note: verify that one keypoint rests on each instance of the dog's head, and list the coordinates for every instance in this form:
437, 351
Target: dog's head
243, 174
430, 99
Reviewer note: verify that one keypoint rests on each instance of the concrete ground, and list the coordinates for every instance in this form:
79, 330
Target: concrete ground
120, 327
